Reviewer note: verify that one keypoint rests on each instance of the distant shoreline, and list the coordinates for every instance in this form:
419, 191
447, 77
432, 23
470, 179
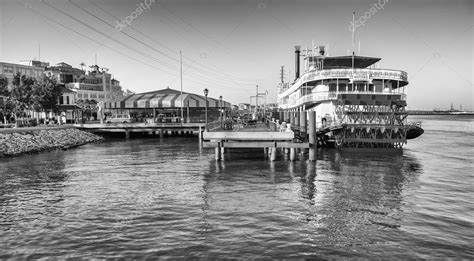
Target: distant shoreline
453, 113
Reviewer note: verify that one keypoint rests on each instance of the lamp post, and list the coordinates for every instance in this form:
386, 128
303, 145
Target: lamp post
206, 92
220, 104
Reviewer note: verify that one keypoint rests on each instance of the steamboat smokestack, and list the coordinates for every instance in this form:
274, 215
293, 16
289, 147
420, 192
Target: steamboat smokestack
297, 62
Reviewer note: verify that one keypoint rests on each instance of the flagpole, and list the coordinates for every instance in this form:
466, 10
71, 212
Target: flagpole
181, 76
353, 40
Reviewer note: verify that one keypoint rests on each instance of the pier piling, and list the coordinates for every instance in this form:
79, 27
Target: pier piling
312, 135
292, 154
273, 153
303, 128
218, 151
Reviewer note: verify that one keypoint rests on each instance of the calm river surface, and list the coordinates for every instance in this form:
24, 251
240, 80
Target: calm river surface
150, 198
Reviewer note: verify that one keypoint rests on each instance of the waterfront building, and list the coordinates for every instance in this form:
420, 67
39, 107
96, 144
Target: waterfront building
97, 84
166, 105
35, 69
67, 105
244, 106
64, 73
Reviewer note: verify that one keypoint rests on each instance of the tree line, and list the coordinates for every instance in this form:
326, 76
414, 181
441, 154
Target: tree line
27, 93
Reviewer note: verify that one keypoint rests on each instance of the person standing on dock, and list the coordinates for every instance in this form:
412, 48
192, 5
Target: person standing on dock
283, 126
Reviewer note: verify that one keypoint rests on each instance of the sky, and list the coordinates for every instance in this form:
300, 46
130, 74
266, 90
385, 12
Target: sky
231, 46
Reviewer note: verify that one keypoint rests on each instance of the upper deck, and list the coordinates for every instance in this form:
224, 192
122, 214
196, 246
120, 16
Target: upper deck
369, 75
338, 62
326, 77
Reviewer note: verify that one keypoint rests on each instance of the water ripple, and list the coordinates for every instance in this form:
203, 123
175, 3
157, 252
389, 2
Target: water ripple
147, 198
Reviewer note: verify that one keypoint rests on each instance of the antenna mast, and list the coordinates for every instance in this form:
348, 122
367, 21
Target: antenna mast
353, 40
282, 74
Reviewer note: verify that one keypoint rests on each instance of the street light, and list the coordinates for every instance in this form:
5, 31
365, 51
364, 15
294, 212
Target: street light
206, 92
220, 104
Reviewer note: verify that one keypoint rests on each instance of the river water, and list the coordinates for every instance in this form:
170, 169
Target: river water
146, 198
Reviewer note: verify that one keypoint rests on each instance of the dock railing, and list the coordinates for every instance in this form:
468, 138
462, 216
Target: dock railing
214, 125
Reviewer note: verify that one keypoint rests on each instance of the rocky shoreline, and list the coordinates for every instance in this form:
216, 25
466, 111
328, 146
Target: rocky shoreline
26, 142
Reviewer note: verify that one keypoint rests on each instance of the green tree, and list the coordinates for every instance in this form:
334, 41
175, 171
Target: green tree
22, 90
34, 94
21, 95
4, 91
46, 93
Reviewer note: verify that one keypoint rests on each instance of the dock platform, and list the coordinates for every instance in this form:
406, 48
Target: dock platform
153, 128
268, 137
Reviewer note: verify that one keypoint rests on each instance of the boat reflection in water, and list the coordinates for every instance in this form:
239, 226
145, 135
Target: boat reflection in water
341, 202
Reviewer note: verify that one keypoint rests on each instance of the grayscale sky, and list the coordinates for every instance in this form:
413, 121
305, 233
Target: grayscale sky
230, 47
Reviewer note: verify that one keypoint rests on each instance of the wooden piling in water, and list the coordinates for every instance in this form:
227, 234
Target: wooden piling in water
312, 135
127, 134
292, 154
218, 151
273, 153
303, 127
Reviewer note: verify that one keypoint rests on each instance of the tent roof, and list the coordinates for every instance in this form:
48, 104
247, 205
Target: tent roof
165, 98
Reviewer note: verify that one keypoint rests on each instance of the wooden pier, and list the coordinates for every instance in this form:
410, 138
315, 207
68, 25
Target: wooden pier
269, 137
151, 128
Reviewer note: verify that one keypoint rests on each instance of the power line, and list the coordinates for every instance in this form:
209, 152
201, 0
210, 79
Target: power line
212, 70
130, 36
89, 38
96, 41
195, 28
105, 22
126, 46
101, 33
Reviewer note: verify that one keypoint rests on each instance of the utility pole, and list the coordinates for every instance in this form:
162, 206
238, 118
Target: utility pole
256, 101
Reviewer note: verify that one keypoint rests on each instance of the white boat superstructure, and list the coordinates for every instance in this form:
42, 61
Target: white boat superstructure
366, 102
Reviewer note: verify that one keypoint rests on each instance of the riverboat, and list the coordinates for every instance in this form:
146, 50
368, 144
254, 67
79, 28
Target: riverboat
358, 104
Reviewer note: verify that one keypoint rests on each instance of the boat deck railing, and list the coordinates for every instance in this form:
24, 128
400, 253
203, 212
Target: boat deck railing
414, 123
333, 95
